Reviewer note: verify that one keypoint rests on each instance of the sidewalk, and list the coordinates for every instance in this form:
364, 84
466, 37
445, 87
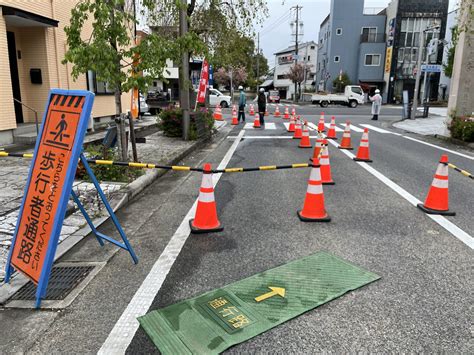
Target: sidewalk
158, 149
433, 125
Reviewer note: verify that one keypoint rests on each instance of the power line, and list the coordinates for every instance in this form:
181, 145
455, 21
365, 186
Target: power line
274, 27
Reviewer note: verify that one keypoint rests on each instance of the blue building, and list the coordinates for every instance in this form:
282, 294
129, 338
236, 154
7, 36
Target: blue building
353, 42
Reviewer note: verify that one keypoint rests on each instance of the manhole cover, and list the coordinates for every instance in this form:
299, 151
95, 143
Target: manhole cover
66, 281
62, 281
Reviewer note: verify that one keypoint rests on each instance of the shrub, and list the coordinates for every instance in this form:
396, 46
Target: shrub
462, 128
170, 121
106, 172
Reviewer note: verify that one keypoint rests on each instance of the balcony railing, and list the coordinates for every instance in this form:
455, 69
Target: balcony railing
372, 38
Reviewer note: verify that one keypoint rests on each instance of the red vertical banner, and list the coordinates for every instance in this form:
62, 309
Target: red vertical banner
203, 82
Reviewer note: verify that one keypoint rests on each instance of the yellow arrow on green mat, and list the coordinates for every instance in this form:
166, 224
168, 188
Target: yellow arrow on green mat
280, 291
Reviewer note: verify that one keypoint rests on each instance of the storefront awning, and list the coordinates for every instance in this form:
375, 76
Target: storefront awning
20, 18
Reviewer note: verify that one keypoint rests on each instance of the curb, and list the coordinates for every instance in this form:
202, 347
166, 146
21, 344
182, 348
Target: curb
133, 189
454, 141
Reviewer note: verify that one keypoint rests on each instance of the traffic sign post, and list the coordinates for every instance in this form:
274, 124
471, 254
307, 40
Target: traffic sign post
49, 185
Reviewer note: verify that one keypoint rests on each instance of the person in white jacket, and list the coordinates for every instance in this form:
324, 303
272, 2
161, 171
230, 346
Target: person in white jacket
376, 104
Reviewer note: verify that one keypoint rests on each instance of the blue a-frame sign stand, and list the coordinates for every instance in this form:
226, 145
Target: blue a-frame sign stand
66, 98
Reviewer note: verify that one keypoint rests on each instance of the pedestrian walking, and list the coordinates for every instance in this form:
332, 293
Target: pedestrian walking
262, 105
376, 104
242, 103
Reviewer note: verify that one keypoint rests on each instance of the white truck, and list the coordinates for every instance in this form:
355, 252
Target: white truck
353, 95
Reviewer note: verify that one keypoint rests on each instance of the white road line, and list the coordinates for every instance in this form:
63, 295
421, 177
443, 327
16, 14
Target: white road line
440, 148
328, 125
442, 221
354, 128
125, 328
287, 125
377, 129
269, 125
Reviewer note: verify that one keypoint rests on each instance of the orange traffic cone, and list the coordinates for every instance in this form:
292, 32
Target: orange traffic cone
287, 115
256, 122
293, 110
332, 129
291, 127
205, 220
252, 112
313, 208
326, 176
321, 127
266, 112
298, 132
218, 113
437, 201
277, 112
346, 138
305, 142
363, 151
235, 121
317, 149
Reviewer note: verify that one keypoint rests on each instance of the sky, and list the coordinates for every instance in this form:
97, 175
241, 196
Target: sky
275, 32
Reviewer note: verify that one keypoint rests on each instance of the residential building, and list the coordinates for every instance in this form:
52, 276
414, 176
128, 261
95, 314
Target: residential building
406, 20
445, 81
285, 59
351, 40
33, 45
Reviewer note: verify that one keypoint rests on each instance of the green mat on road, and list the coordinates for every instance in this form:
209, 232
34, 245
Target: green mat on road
219, 319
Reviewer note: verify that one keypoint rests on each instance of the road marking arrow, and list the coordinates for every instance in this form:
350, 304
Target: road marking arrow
280, 291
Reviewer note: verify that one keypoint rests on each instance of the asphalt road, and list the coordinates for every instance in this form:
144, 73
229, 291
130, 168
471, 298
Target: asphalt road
423, 301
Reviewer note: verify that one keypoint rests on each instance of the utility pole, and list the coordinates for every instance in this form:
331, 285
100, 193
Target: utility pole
418, 68
184, 73
296, 48
258, 61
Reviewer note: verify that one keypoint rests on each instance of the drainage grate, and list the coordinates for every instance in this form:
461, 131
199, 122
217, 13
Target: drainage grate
62, 281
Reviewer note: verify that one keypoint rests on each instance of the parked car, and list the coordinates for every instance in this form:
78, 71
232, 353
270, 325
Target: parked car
157, 100
353, 95
143, 105
218, 98
274, 96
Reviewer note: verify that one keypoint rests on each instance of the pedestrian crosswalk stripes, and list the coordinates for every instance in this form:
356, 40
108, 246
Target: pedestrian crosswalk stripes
269, 125
373, 128
313, 127
328, 125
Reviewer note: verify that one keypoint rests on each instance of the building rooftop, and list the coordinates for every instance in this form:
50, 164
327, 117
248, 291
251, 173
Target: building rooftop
292, 48
325, 20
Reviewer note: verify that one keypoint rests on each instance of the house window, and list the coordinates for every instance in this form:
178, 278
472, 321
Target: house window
369, 34
312, 47
337, 59
309, 58
98, 87
339, 31
372, 59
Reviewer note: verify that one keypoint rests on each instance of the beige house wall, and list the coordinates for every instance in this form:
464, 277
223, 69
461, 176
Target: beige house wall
43, 48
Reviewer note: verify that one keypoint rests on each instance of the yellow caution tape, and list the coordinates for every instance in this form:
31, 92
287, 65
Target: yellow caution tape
268, 167
234, 170
180, 168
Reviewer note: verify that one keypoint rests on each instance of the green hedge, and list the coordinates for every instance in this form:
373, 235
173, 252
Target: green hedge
462, 128
170, 121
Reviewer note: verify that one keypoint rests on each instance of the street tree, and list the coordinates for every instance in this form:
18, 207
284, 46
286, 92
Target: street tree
110, 50
341, 82
448, 66
297, 75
